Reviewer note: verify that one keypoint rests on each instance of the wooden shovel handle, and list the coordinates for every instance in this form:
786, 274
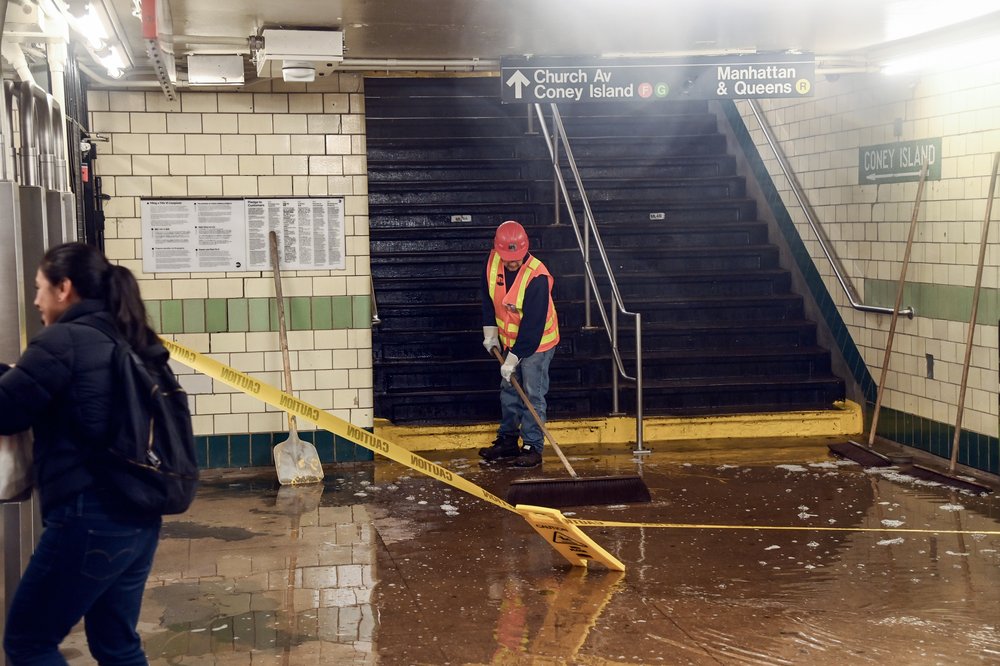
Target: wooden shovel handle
538, 419
282, 330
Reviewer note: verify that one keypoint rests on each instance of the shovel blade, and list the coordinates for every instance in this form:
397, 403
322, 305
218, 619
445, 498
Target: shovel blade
297, 462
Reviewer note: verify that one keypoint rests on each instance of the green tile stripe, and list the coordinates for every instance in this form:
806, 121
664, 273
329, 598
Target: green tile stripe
974, 449
254, 449
936, 301
237, 315
801, 255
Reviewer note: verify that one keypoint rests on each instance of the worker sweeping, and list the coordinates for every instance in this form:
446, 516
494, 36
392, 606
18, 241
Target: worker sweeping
519, 318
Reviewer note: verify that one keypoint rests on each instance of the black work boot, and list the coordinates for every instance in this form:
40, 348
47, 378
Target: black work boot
529, 458
504, 447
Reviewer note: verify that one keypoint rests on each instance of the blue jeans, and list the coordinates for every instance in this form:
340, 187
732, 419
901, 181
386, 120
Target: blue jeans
533, 374
89, 564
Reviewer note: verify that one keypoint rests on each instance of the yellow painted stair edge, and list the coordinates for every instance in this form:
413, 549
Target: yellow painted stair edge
844, 420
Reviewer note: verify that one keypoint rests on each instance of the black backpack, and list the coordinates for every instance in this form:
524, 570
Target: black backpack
150, 458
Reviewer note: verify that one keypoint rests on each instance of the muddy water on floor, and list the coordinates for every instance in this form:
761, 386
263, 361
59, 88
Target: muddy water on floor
386, 566
702, 595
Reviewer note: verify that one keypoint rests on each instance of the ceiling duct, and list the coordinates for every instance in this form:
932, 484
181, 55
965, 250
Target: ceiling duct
215, 70
297, 55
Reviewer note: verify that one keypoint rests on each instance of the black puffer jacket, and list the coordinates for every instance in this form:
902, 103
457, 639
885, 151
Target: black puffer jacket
62, 387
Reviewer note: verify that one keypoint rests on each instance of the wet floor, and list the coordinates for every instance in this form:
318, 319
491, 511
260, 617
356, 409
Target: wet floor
388, 566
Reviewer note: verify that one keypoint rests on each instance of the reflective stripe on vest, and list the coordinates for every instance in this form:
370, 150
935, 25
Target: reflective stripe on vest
508, 305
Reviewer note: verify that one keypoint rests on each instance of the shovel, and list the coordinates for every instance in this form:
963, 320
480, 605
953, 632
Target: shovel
295, 460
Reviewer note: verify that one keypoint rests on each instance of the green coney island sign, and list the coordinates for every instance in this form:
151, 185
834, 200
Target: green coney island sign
899, 162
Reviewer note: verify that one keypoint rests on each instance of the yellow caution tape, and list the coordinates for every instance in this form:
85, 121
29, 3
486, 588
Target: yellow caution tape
558, 530
289, 403
568, 540
582, 522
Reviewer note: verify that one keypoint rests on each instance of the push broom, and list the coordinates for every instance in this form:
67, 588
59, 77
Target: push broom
576, 490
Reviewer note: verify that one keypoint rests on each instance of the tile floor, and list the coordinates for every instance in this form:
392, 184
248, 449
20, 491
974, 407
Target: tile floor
382, 565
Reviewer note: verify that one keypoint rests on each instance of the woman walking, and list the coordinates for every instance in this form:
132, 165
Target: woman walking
95, 553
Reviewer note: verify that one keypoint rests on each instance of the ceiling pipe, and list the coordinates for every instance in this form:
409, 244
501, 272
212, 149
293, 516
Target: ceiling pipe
57, 56
29, 139
200, 39
8, 163
108, 82
15, 56
6, 140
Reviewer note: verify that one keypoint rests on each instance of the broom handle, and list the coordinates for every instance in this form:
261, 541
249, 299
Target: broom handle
972, 319
282, 331
880, 389
538, 419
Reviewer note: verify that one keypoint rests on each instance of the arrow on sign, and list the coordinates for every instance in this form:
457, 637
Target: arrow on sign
517, 81
879, 176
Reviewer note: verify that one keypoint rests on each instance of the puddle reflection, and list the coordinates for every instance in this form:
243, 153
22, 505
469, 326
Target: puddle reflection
381, 565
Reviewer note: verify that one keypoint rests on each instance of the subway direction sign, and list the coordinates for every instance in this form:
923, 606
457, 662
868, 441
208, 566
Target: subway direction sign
559, 79
899, 162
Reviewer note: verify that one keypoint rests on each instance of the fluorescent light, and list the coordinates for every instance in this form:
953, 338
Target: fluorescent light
113, 62
970, 53
93, 28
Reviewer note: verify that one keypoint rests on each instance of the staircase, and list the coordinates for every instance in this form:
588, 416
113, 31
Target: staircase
722, 332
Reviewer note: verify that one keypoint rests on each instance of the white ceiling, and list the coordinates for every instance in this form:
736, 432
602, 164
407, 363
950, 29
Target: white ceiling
838, 32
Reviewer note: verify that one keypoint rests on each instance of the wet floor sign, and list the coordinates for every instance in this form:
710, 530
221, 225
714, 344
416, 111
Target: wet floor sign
568, 540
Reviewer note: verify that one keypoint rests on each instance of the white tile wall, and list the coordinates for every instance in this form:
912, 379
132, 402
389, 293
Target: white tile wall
869, 224
277, 140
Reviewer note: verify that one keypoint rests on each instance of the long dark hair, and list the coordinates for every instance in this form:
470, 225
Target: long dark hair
93, 276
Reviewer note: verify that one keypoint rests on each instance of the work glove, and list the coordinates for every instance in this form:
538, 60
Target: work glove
490, 338
507, 369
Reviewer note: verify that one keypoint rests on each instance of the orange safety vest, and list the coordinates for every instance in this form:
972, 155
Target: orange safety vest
508, 303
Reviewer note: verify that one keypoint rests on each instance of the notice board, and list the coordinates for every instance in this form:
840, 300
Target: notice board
230, 235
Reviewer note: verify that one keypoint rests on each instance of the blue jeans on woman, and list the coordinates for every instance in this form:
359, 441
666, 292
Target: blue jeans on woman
89, 564
533, 374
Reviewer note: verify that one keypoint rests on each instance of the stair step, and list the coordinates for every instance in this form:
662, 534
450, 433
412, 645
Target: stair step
469, 262
695, 166
467, 289
613, 190
478, 370
433, 345
722, 331
581, 128
676, 397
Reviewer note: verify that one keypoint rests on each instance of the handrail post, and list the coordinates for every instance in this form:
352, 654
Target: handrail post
972, 318
615, 410
583, 242
555, 173
638, 386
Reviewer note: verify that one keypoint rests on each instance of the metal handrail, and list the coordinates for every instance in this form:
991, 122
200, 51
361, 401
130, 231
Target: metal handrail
618, 305
786, 168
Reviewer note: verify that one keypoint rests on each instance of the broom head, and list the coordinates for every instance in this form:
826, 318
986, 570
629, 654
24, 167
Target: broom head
591, 491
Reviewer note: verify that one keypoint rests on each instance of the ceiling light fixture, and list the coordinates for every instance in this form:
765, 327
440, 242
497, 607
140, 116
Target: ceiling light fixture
97, 28
112, 61
92, 28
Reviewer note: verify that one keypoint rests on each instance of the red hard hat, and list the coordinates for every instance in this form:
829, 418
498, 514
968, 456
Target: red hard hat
511, 241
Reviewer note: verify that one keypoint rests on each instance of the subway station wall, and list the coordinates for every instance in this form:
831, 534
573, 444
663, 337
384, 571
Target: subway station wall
868, 226
272, 139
